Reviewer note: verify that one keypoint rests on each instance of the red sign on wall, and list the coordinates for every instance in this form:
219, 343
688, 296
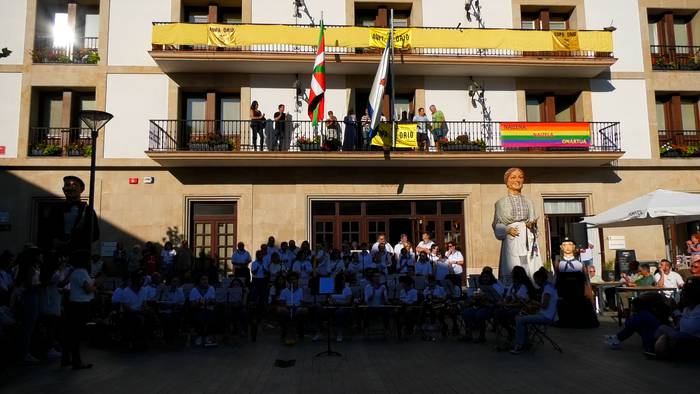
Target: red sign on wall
2, 149
133, 181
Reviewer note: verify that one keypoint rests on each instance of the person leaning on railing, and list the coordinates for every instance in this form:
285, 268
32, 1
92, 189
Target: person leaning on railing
423, 123
257, 125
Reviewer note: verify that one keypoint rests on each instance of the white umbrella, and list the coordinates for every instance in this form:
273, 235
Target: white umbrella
658, 207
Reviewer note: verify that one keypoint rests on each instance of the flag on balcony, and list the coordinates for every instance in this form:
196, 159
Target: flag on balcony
381, 80
318, 82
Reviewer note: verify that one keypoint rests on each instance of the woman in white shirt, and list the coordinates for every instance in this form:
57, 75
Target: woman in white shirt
404, 260
302, 267
290, 308
276, 266
82, 292
455, 259
546, 315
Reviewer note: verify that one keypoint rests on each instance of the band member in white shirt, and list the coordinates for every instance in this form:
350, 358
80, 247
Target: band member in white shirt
433, 311
381, 240
407, 315
376, 297
240, 260
455, 259
423, 266
290, 308
202, 303
404, 243
276, 267
404, 261
342, 298
336, 265
170, 304
260, 278
287, 256
302, 267
425, 244
271, 248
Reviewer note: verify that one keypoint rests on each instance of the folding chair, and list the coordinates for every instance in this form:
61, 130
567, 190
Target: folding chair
537, 335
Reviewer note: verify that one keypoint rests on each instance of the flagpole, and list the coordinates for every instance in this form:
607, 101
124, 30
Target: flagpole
391, 71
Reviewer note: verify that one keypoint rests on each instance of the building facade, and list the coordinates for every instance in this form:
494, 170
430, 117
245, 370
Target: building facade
640, 102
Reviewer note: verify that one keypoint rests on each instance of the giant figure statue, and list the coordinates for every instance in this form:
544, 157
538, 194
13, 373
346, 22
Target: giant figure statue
515, 225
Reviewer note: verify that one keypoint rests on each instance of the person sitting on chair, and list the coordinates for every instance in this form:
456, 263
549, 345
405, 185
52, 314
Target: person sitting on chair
682, 341
375, 296
648, 312
202, 302
546, 314
517, 298
290, 308
408, 299
482, 304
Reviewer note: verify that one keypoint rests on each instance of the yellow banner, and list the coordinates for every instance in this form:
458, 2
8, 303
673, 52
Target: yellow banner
407, 135
378, 38
362, 37
565, 40
383, 136
221, 35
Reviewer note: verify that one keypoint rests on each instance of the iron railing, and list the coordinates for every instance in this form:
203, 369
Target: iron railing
675, 57
82, 50
679, 143
437, 51
59, 141
302, 135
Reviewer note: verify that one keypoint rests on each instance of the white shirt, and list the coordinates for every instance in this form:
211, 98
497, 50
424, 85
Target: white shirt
518, 293
672, 281
286, 257
586, 254
425, 245
335, 267
455, 258
271, 249
77, 279
168, 256
174, 297
365, 259
402, 264
240, 258
436, 291
397, 250
258, 269
275, 269
408, 297
551, 310
303, 268
201, 297
690, 321
292, 298
572, 265
131, 300
343, 298
442, 269
375, 296
424, 269
387, 248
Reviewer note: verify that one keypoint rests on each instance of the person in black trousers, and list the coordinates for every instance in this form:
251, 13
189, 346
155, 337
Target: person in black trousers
82, 290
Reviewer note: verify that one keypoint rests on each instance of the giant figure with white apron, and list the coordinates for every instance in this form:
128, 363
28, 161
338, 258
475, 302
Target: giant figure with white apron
515, 225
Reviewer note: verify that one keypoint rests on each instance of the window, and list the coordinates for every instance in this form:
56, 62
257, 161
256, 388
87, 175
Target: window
550, 107
371, 15
213, 226
536, 18
689, 113
323, 233
676, 113
197, 14
563, 207
51, 109
660, 115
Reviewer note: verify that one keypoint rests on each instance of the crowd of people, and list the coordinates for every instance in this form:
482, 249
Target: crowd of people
276, 133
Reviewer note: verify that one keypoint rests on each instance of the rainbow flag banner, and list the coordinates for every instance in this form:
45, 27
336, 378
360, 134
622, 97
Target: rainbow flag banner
545, 135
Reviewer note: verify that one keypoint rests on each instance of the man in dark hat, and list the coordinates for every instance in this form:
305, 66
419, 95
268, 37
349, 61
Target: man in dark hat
69, 223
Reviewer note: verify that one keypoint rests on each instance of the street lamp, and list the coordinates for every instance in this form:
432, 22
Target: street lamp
95, 120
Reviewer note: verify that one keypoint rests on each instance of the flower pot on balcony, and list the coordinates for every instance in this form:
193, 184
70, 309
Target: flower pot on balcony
460, 147
671, 153
37, 152
219, 147
75, 152
309, 147
196, 146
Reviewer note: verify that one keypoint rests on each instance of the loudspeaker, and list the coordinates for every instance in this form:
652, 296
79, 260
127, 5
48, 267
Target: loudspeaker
579, 233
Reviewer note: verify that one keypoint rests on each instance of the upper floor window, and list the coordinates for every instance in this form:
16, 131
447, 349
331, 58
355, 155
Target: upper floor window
223, 11
671, 28
538, 18
373, 15
67, 32
676, 112
550, 107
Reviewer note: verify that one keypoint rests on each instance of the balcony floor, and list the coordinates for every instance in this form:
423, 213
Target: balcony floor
365, 64
394, 159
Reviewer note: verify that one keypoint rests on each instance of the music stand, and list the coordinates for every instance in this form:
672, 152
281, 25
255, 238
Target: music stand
327, 287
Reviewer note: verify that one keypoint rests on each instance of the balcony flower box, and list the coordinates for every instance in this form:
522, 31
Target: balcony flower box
676, 150
460, 147
198, 146
219, 147
461, 143
304, 146
308, 144
75, 152
331, 145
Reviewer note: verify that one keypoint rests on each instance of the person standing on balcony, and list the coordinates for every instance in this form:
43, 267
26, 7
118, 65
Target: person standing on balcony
350, 137
280, 129
423, 122
257, 125
365, 121
439, 126
332, 127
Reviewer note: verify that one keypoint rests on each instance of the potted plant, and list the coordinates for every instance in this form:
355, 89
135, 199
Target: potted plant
331, 144
87, 150
53, 150
37, 149
308, 144
690, 151
462, 143
75, 149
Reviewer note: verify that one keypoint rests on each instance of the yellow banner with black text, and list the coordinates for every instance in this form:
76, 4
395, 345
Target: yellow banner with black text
237, 35
406, 136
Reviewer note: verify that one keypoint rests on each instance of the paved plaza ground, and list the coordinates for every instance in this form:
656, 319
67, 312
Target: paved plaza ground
368, 366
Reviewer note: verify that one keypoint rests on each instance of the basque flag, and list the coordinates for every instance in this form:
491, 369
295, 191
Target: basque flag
381, 79
318, 81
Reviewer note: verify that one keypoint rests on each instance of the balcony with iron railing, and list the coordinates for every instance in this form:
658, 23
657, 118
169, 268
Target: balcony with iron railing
212, 142
59, 142
589, 54
675, 58
82, 50
679, 143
